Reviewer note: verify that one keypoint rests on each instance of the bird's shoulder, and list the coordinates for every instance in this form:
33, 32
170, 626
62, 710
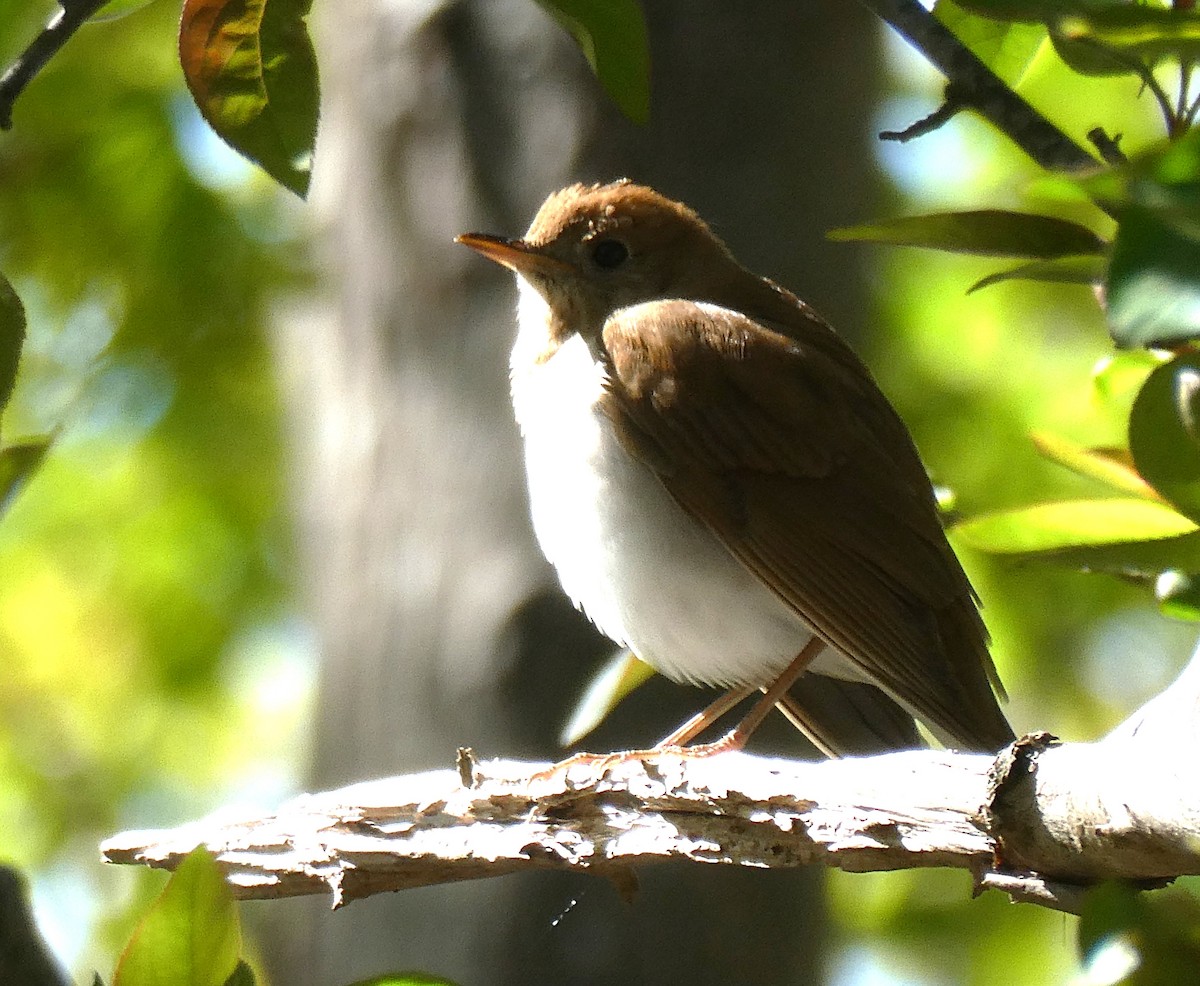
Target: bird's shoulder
739, 391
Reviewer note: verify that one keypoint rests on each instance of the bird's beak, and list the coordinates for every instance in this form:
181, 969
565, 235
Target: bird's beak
516, 255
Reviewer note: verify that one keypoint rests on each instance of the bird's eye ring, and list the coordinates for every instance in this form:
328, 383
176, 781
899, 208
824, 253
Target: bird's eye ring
609, 254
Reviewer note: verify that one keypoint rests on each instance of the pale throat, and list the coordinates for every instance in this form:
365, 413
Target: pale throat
538, 330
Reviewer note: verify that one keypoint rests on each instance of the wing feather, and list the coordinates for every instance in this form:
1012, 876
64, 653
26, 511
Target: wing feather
790, 454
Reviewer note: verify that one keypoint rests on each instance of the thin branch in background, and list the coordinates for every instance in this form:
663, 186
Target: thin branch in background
1185, 84
1165, 106
33, 59
980, 88
1145, 72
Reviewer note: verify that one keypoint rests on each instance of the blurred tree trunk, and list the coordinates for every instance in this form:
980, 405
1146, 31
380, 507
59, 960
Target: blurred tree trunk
439, 624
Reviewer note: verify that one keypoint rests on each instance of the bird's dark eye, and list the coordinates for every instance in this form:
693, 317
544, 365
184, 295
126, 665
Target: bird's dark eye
609, 254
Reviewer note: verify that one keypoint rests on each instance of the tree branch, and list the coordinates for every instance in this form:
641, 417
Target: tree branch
1040, 821
62, 26
974, 85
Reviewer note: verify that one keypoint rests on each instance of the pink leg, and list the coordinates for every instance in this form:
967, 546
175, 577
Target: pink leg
735, 739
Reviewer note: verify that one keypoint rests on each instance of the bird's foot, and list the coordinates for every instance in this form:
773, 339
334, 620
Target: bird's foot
600, 763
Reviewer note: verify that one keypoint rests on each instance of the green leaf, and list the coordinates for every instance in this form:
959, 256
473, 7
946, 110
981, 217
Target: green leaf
1164, 179
1028, 11
12, 338
251, 68
1178, 595
1054, 527
616, 679
404, 979
1103, 37
1088, 269
994, 232
1117, 379
1133, 559
1164, 432
612, 35
18, 463
190, 936
1126, 35
1007, 49
1153, 282
1087, 55
1112, 467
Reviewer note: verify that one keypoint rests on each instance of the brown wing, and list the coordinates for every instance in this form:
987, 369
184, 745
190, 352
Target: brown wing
788, 451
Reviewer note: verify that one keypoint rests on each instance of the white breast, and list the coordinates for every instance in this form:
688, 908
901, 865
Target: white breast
649, 575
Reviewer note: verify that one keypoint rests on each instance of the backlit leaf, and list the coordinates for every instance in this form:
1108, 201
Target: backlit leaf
251, 68
1117, 379
1133, 559
1115, 38
1053, 527
1008, 49
612, 36
1088, 269
1086, 54
1103, 37
607, 689
1028, 11
1112, 467
994, 232
190, 936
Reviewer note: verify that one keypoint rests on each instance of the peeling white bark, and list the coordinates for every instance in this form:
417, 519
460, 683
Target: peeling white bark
1040, 821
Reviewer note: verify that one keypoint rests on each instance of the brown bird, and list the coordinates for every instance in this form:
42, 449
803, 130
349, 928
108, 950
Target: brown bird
722, 487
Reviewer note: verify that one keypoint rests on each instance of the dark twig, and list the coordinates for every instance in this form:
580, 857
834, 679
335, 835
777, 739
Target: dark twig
1185, 84
1109, 147
980, 89
1143, 72
34, 58
950, 107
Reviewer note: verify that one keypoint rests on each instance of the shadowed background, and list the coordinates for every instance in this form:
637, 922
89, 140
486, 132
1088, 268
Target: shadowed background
439, 622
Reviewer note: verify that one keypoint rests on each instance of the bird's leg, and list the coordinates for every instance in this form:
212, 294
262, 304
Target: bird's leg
736, 738
674, 742
796, 716
704, 718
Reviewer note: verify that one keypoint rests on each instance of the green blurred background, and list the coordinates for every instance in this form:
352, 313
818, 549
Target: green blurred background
154, 663
158, 660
